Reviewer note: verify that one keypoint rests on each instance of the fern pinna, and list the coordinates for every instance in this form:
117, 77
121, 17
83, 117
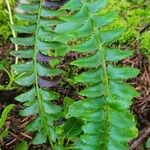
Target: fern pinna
108, 123
39, 66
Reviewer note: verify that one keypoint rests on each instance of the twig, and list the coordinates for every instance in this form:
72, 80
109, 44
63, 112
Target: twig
8, 144
138, 141
26, 135
141, 30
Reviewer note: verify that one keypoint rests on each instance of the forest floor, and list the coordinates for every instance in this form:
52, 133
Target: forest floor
140, 107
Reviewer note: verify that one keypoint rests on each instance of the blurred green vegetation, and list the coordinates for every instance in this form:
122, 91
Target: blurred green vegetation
5, 30
145, 44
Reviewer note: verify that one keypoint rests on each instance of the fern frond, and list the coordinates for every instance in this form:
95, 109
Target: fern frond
108, 123
37, 72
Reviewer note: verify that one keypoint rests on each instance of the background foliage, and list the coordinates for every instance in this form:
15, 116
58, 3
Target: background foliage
5, 31
135, 16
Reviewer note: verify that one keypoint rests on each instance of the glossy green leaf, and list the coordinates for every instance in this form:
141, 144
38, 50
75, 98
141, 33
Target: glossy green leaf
43, 71
23, 53
40, 138
116, 54
49, 22
27, 17
35, 125
96, 5
93, 91
80, 108
49, 95
31, 110
124, 91
109, 36
22, 146
29, 8
88, 62
90, 77
118, 73
72, 127
23, 67
25, 80
49, 13
85, 47
46, 36
67, 27
92, 128
84, 30
27, 41
24, 29
43, 46
67, 102
103, 20
51, 108
92, 140
53, 134
27, 96
73, 5
78, 16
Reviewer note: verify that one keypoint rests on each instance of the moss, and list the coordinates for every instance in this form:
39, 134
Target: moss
145, 43
134, 14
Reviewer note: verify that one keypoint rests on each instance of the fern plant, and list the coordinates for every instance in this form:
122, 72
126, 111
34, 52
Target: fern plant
103, 112
37, 68
106, 99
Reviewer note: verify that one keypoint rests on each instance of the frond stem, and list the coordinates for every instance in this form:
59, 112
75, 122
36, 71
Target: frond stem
36, 78
106, 94
105, 80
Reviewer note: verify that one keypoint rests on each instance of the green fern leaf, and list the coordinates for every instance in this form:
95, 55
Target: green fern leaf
116, 54
27, 41
23, 54
24, 29
105, 19
29, 8
26, 67
72, 127
73, 5
27, 17
28, 96
40, 138
26, 79
109, 36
